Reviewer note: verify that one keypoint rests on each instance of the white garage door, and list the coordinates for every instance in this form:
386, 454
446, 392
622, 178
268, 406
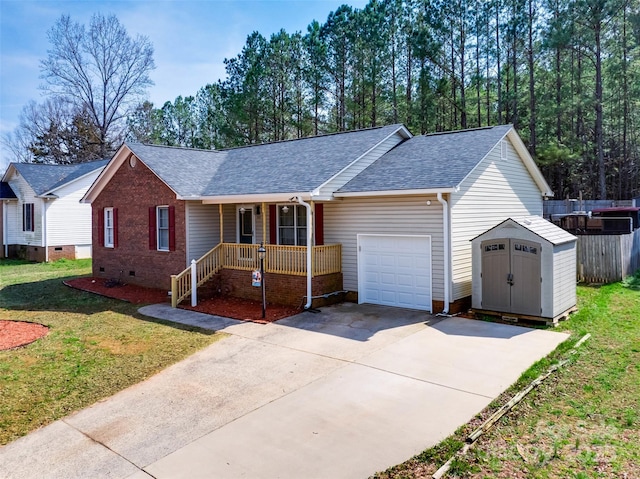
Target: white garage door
395, 271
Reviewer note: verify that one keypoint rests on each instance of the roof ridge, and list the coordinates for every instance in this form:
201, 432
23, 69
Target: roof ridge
466, 130
371, 128
173, 147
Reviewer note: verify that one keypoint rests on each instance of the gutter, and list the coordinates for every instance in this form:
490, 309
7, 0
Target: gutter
309, 249
446, 231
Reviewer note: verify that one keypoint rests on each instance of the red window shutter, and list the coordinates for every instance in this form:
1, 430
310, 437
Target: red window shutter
101, 226
273, 224
33, 219
319, 224
115, 227
152, 228
24, 217
172, 228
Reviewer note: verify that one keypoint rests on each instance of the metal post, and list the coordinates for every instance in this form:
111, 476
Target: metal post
264, 296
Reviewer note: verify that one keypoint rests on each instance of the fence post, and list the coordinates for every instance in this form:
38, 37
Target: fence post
194, 283
174, 291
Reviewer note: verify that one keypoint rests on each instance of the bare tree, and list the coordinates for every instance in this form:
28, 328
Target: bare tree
101, 70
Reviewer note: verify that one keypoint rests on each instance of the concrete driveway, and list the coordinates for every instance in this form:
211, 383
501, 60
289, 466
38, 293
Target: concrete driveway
338, 394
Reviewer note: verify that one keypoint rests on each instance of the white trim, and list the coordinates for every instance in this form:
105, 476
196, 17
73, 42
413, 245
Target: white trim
239, 223
166, 207
249, 198
360, 273
108, 209
427, 191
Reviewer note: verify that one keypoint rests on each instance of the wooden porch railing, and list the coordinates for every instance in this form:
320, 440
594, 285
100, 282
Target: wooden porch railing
279, 259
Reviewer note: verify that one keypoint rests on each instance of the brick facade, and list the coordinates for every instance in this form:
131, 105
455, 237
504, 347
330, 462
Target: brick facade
279, 288
133, 190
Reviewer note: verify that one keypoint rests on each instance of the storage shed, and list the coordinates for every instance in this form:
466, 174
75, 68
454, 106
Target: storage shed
525, 268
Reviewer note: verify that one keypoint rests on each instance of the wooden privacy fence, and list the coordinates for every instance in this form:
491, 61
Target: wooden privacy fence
279, 259
608, 258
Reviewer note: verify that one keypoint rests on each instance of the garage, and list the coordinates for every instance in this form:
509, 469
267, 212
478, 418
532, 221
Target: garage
395, 270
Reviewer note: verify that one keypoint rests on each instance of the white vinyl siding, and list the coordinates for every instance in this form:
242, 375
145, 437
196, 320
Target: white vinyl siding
409, 215
68, 220
25, 195
564, 278
357, 167
498, 188
203, 229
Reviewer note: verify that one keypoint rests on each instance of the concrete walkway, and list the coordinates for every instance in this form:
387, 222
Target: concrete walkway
338, 394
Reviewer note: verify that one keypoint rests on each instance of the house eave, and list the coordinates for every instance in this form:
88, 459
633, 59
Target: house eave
413, 192
250, 198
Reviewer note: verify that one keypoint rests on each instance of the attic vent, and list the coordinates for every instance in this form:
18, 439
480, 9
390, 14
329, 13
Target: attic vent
132, 161
503, 149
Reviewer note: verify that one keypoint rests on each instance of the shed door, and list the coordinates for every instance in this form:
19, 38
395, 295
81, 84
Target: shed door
511, 276
395, 271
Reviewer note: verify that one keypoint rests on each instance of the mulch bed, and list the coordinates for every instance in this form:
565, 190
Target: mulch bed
14, 334
226, 306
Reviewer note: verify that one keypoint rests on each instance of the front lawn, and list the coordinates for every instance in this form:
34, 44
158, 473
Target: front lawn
95, 347
583, 422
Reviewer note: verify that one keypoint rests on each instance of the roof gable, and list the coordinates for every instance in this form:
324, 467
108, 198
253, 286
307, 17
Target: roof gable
538, 226
44, 179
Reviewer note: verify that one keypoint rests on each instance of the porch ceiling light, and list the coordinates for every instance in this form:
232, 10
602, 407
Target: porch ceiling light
285, 209
242, 210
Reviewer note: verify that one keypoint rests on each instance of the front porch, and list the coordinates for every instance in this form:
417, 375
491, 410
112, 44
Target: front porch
284, 265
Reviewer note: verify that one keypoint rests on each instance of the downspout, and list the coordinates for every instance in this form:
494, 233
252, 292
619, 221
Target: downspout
446, 231
5, 234
45, 203
309, 250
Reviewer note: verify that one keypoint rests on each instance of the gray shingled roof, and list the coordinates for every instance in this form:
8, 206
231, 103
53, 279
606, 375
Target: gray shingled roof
540, 227
44, 178
284, 167
434, 161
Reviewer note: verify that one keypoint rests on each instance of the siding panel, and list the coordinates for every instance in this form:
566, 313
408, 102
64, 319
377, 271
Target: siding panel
203, 229
496, 190
25, 195
345, 219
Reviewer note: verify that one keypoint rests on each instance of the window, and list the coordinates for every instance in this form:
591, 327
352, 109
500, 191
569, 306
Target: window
108, 228
292, 225
162, 221
28, 219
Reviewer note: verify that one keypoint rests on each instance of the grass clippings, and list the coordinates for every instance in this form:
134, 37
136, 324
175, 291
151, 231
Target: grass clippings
96, 346
582, 422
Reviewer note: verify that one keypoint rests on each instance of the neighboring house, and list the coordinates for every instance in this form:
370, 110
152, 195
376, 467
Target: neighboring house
42, 217
378, 214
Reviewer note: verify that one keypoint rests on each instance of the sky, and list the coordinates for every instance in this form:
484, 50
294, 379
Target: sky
191, 39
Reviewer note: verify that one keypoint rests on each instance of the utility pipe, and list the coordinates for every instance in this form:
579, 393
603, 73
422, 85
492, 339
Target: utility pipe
5, 233
309, 249
447, 251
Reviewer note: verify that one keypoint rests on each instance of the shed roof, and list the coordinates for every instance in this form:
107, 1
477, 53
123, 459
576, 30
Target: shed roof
540, 227
440, 160
44, 179
282, 167
6, 193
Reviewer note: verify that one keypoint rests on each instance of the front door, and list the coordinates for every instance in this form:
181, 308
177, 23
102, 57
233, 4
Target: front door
245, 225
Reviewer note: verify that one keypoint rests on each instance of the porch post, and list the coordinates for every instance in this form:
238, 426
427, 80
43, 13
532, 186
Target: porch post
263, 210
194, 283
221, 223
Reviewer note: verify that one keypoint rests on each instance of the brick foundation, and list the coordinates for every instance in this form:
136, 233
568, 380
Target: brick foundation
60, 252
279, 288
29, 253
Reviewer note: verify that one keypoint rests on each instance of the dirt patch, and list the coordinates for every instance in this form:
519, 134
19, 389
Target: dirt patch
243, 309
125, 292
14, 334
226, 306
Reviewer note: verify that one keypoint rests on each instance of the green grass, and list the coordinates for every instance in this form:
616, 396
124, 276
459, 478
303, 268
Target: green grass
95, 347
583, 422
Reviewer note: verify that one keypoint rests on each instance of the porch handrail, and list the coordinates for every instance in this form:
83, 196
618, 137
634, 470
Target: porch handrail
206, 266
280, 259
